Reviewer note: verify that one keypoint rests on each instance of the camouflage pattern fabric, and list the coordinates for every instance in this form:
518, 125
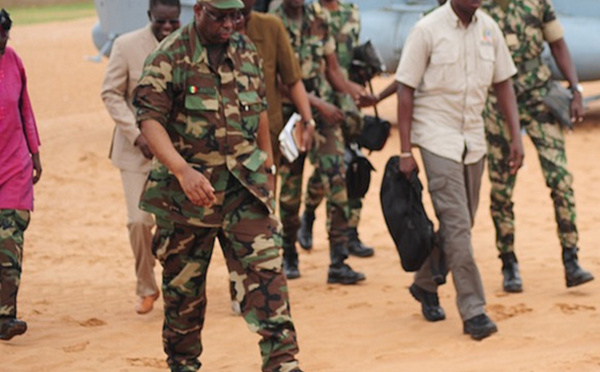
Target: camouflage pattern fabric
211, 114
345, 27
211, 117
250, 238
310, 42
524, 21
13, 224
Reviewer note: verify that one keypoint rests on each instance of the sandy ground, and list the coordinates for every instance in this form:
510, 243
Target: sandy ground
77, 290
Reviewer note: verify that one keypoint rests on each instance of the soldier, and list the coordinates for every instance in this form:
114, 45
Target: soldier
20, 169
345, 28
450, 60
201, 106
308, 28
527, 26
129, 150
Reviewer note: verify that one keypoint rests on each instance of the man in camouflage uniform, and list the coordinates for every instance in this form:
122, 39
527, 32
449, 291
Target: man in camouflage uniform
345, 28
308, 28
201, 106
527, 25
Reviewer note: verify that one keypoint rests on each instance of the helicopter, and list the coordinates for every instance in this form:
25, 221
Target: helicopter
386, 23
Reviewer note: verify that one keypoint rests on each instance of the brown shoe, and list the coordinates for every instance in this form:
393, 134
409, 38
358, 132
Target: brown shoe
146, 304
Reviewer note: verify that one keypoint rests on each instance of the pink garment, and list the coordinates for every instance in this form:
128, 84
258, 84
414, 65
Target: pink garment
18, 135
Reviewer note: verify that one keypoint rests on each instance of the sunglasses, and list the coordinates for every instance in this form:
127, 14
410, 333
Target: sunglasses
235, 17
173, 22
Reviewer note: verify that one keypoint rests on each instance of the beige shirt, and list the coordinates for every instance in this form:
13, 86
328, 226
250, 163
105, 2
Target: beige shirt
122, 74
452, 68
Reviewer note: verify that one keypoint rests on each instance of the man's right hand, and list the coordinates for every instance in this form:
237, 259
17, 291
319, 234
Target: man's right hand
142, 144
330, 113
196, 187
408, 165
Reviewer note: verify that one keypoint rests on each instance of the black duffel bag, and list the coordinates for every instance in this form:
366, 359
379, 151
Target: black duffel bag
375, 133
358, 172
406, 219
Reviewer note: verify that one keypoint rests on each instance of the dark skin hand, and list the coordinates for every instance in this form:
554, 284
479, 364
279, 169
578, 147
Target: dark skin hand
142, 144
330, 113
37, 167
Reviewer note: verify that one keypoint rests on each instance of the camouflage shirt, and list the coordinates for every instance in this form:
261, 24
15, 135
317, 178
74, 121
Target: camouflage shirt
345, 28
527, 25
211, 115
311, 40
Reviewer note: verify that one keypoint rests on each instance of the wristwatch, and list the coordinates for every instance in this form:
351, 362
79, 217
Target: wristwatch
310, 123
272, 169
576, 88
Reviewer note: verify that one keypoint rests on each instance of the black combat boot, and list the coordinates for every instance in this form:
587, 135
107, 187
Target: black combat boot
339, 272
11, 327
512, 282
305, 236
290, 261
574, 274
356, 247
430, 303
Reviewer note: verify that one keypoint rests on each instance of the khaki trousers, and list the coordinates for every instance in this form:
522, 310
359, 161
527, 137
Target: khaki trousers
139, 224
454, 189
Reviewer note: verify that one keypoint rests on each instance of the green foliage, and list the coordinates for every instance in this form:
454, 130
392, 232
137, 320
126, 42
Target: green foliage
51, 13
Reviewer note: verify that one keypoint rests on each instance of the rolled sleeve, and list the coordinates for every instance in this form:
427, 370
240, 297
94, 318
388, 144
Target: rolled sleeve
153, 95
553, 31
414, 59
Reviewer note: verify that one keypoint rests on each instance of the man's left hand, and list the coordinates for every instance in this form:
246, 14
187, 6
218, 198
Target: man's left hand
577, 109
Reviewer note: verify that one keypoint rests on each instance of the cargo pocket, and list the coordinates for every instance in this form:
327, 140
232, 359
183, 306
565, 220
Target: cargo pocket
436, 188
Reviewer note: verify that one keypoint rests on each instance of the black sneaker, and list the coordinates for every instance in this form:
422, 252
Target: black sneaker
430, 303
479, 327
11, 327
343, 274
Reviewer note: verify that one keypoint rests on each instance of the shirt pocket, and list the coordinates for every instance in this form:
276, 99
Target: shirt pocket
251, 105
443, 71
201, 103
487, 62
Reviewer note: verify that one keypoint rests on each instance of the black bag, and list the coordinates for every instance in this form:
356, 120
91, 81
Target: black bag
406, 219
366, 63
375, 133
358, 172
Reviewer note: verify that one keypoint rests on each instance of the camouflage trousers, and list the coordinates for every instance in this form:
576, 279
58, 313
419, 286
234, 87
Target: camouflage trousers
548, 138
315, 192
250, 239
13, 224
327, 157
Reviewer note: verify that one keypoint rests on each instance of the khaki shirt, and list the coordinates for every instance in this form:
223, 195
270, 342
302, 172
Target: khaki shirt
451, 68
270, 37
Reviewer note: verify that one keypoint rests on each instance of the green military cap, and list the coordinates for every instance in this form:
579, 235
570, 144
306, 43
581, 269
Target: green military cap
224, 4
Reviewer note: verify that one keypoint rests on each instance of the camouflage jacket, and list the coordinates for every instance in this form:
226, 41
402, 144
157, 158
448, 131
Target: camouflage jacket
211, 116
345, 28
523, 25
311, 42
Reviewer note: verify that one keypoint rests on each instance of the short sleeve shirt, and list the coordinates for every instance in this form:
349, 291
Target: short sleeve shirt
451, 67
345, 27
527, 25
211, 115
311, 40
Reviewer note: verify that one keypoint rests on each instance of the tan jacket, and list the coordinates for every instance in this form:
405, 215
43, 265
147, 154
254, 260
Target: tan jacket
122, 73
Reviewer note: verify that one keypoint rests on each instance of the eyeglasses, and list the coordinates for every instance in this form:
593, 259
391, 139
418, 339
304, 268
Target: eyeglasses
173, 22
235, 17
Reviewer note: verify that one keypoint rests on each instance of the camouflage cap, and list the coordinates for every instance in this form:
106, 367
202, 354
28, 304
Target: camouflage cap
223, 4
